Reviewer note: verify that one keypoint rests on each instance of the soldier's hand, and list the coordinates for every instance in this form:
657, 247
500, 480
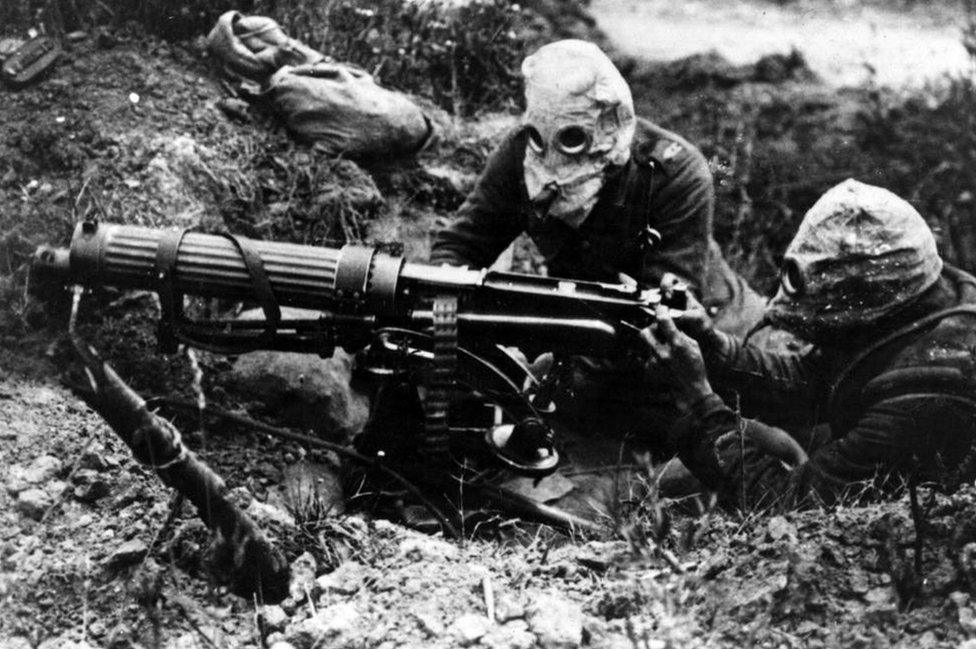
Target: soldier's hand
694, 319
678, 353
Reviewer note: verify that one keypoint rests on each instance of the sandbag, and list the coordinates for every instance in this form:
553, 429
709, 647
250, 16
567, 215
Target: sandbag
341, 108
255, 47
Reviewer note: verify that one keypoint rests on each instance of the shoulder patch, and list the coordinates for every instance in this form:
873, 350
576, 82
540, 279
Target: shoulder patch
672, 150
666, 154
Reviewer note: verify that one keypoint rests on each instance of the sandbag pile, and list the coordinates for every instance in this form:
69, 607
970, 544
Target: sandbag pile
335, 105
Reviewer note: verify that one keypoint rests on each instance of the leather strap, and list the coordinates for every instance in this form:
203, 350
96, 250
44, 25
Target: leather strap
170, 300
263, 291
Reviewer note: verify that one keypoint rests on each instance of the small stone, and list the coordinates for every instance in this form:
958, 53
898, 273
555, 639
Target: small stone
41, 470
959, 598
235, 108
430, 623
598, 555
265, 513
302, 577
273, 617
508, 608
127, 554
557, 622
18, 642
469, 628
514, 635
33, 503
347, 579
967, 619
282, 644
76, 36
424, 548
97, 461
326, 628
879, 596
779, 529
89, 487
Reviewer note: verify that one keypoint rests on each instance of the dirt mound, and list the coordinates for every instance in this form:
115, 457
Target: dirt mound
111, 561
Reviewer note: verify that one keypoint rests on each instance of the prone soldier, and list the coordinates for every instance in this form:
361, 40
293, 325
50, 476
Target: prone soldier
887, 385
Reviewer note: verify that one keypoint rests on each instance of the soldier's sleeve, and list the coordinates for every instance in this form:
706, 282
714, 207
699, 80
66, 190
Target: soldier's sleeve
720, 450
490, 217
765, 380
682, 204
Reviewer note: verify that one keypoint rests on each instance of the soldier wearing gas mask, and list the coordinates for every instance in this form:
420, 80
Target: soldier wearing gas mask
600, 191
602, 194
888, 384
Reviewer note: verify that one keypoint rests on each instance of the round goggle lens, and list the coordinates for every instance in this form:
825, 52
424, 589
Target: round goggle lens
536, 142
791, 279
572, 140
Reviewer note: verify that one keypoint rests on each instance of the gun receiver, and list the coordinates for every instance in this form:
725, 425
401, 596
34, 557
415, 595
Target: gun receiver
413, 323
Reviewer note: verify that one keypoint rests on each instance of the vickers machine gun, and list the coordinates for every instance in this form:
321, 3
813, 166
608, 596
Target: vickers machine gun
440, 328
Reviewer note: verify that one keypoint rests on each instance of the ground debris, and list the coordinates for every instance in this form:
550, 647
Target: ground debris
557, 622
127, 554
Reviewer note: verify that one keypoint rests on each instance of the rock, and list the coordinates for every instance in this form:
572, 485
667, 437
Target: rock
41, 470
263, 513
187, 640
469, 628
273, 617
429, 622
514, 635
424, 548
302, 389
302, 577
97, 461
879, 596
18, 642
780, 529
557, 622
347, 579
281, 644
330, 627
127, 554
33, 503
235, 108
89, 487
967, 619
508, 608
599, 555
882, 606
967, 644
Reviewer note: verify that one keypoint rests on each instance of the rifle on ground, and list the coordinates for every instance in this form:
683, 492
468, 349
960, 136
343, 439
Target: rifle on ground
444, 328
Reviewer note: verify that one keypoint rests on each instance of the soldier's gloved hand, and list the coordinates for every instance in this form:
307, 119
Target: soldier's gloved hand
675, 352
694, 319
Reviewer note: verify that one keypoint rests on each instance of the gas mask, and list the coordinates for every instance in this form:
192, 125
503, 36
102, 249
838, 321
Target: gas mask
861, 254
579, 122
